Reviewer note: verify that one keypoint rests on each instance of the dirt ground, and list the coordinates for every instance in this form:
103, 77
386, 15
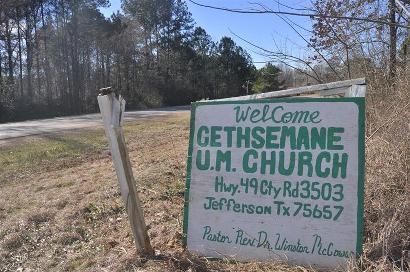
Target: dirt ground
65, 212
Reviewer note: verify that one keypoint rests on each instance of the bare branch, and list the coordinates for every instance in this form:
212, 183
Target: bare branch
312, 15
281, 56
289, 23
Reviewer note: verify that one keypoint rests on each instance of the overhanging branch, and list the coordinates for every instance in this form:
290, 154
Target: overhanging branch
311, 15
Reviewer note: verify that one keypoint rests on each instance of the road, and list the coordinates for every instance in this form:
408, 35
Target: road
12, 131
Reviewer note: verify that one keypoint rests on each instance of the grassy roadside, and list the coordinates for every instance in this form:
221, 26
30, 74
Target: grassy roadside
61, 210
32, 154
59, 193
59, 150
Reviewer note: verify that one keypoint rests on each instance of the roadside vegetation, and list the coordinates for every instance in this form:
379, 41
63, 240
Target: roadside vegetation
61, 209
34, 153
55, 55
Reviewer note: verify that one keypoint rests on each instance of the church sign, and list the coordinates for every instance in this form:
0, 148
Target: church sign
276, 179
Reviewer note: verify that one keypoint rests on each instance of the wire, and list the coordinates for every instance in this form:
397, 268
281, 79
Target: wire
379, 21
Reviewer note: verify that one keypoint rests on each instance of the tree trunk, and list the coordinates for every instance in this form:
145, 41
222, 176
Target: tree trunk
9, 49
108, 70
20, 53
393, 39
75, 63
1, 70
47, 62
29, 55
37, 50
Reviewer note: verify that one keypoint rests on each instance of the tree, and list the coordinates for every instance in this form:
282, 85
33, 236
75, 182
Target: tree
267, 79
348, 40
62, 51
234, 68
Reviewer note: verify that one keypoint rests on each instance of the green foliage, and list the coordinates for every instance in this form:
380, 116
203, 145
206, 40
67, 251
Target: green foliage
234, 68
152, 54
182, 63
267, 79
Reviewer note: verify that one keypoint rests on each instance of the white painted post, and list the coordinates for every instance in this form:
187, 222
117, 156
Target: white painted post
112, 111
349, 88
356, 91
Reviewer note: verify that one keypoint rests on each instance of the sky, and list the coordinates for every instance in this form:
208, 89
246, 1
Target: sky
264, 30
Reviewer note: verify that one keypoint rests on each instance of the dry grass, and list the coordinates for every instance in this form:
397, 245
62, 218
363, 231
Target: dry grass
387, 196
64, 212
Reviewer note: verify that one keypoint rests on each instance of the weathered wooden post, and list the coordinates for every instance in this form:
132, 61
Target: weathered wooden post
112, 110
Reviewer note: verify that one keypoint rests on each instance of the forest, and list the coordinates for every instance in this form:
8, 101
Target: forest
56, 54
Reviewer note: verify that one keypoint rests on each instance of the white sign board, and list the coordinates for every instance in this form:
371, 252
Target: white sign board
276, 179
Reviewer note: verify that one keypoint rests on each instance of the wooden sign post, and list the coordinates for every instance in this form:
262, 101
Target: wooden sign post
112, 111
276, 179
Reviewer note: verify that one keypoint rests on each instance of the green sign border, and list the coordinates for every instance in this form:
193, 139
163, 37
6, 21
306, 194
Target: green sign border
359, 101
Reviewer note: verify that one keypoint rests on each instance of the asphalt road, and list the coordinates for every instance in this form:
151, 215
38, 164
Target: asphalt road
12, 131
